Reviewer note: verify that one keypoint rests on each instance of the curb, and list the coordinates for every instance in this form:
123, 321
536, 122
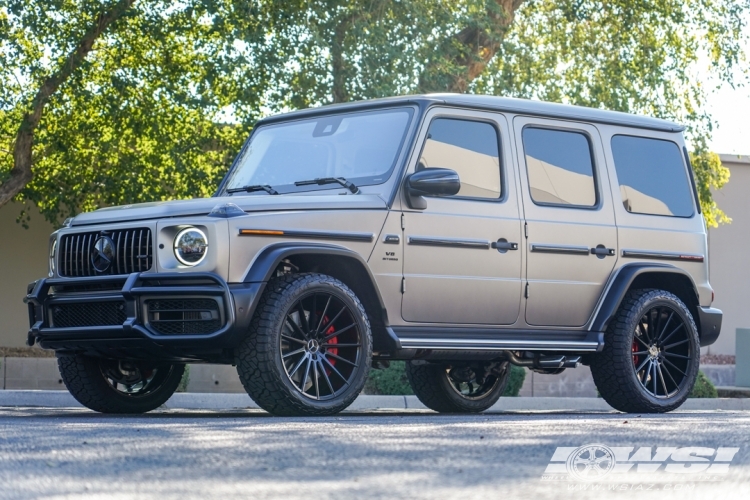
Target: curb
219, 401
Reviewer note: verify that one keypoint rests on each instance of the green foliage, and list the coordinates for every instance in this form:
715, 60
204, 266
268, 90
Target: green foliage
161, 105
515, 382
389, 381
710, 174
185, 380
703, 388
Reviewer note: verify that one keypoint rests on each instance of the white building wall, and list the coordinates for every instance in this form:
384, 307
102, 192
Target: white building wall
729, 254
23, 259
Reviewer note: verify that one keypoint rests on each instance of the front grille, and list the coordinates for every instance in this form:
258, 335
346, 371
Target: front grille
184, 316
133, 253
87, 314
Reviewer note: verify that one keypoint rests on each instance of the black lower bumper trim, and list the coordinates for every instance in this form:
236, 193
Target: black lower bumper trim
709, 320
135, 335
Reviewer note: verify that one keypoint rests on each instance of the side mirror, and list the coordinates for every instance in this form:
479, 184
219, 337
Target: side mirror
431, 182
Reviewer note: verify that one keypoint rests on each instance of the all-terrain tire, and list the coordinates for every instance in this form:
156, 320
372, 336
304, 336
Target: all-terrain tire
259, 360
84, 379
614, 369
431, 385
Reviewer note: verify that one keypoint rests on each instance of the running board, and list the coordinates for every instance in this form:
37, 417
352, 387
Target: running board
440, 338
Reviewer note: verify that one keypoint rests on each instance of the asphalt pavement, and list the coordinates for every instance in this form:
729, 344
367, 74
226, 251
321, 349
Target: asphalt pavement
212, 454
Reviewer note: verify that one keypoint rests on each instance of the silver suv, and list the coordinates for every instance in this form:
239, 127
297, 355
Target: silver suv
459, 233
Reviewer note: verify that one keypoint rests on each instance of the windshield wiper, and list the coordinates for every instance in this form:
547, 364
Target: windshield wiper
330, 180
255, 187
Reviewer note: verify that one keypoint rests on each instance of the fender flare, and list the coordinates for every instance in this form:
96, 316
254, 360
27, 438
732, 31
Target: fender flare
620, 284
261, 271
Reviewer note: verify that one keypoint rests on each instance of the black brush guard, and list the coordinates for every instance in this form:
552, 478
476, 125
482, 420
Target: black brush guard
135, 337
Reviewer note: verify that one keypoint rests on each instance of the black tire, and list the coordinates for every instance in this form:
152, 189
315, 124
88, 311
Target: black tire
437, 389
649, 363
279, 346
97, 383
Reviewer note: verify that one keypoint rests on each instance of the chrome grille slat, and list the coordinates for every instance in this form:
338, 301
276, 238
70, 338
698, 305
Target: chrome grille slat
75, 254
117, 252
133, 253
140, 236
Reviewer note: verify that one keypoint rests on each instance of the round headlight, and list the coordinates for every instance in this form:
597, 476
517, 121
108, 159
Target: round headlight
52, 254
190, 246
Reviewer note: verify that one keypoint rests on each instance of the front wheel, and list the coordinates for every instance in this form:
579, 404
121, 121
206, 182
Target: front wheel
119, 386
458, 388
309, 348
651, 354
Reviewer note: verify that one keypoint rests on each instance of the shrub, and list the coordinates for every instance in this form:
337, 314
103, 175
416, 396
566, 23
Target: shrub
517, 376
703, 388
389, 381
185, 380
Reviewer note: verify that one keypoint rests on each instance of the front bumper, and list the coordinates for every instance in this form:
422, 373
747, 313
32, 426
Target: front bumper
112, 315
709, 320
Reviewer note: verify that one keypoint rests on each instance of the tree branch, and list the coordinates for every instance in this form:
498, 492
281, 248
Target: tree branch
462, 57
22, 173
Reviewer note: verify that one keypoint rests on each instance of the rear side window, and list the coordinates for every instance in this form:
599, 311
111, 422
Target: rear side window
471, 149
560, 168
652, 176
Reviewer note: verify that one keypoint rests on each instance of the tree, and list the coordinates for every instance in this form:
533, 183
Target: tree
168, 92
135, 110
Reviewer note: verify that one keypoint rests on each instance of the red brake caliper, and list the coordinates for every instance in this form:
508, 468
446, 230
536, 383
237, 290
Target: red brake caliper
332, 350
634, 348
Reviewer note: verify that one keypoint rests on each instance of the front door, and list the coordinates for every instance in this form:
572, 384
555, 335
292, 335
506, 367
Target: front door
571, 234
462, 262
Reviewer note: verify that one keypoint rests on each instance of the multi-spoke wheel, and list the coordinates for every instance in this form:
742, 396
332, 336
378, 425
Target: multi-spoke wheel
320, 345
651, 354
309, 350
119, 386
460, 387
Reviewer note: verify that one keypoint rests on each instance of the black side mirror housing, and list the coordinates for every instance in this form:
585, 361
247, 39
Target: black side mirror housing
431, 182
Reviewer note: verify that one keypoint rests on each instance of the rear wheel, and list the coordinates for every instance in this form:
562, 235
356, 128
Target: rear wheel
309, 348
458, 388
651, 354
119, 386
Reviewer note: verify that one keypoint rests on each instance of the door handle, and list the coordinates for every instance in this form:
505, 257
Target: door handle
601, 251
502, 245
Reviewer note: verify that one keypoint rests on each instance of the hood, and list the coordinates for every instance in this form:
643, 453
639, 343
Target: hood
202, 206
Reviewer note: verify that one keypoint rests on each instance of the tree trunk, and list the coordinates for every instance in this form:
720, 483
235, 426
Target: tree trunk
22, 172
462, 57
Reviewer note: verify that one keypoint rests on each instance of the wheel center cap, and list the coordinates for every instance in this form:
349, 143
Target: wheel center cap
313, 346
653, 351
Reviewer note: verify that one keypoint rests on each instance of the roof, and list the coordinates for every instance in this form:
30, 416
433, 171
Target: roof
741, 159
494, 103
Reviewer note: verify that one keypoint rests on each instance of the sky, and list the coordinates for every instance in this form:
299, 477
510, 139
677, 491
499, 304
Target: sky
730, 109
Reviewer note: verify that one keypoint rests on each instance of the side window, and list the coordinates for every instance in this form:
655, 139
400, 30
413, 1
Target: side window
560, 167
471, 149
652, 176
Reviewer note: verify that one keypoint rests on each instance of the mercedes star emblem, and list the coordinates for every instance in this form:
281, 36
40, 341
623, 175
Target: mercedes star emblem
103, 254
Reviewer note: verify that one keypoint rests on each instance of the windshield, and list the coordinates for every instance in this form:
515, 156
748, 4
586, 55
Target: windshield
360, 147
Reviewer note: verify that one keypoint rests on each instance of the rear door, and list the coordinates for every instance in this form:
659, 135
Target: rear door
571, 233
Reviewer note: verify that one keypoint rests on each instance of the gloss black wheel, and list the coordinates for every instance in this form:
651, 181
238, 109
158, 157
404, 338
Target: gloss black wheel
309, 348
651, 354
458, 387
119, 386
321, 345
662, 351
